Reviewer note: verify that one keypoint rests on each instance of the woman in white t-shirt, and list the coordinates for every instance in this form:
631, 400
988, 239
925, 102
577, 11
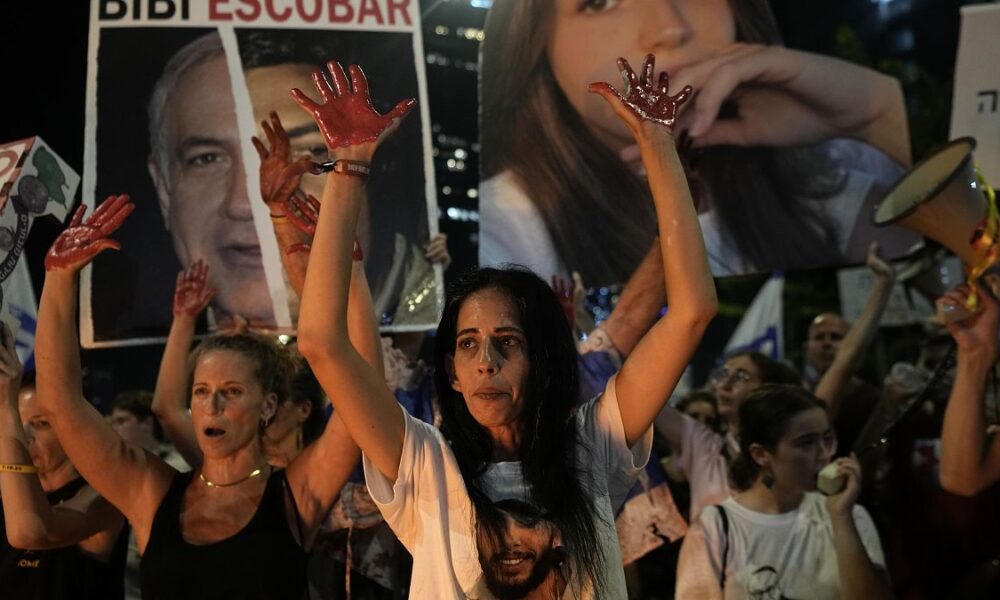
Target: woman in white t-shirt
702, 453
777, 537
516, 494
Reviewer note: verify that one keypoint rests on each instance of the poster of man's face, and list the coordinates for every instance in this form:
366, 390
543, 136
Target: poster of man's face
175, 112
523, 556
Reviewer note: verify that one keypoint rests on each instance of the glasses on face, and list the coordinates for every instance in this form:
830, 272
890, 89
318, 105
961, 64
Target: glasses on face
736, 376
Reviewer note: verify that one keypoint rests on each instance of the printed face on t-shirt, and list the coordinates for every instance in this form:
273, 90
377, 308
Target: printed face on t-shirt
525, 557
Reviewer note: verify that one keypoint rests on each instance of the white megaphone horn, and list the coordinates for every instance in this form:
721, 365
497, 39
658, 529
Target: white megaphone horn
942, 199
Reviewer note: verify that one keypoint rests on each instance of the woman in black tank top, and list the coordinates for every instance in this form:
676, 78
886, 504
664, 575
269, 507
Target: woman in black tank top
234, 525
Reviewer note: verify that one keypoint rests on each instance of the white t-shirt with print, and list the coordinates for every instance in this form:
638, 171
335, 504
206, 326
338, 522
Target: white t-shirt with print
784, 556
429, 509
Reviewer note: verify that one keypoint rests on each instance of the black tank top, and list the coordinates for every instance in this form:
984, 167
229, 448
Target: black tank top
261, 561
62, 572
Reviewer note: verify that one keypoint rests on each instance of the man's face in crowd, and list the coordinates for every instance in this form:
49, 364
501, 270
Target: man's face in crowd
203, 196
825, 334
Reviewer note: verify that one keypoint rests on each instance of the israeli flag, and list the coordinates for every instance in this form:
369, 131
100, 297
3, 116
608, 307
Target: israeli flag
761, 329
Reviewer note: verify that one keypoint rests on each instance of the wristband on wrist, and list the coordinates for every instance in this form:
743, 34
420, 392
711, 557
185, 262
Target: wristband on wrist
342, 166
13, 468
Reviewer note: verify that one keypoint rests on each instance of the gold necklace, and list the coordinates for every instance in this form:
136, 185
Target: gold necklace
252, 474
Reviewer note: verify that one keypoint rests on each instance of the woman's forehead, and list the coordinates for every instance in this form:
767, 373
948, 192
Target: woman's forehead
488, 309
814, 420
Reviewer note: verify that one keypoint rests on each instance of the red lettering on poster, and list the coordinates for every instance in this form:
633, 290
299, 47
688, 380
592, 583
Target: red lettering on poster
214, 13
8, 158
403, 7
370, 7
282, 16
252, 13
345, 17
309, 17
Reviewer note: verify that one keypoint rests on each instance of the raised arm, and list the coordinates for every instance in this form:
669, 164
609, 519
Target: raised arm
859, 576
337, 333
652, 370
970, 459
30, 521
191, 296
131, 479
293, 213
835, 380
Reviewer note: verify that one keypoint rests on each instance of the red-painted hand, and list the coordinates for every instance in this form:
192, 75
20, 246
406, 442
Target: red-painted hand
642, 98
346, 117
279, 178
79, 243
192, 294
303, 212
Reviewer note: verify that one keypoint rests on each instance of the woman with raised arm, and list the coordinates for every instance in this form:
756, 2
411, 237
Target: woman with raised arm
234, 527
191, 296
58, 537
516, 494
298, 418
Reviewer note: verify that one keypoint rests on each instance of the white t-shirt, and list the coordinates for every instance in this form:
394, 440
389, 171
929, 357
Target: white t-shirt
429, 509
789, 555
511, 229
701, 460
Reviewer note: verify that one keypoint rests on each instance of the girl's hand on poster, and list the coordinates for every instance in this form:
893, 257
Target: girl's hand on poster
79, 243
783, 97
346, 117
279, 178
645, 107
192, 294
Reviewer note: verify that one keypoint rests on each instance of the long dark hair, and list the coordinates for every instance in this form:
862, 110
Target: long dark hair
549, 443
764, 418
579, 185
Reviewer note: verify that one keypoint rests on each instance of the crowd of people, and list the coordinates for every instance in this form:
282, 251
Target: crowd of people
504, 463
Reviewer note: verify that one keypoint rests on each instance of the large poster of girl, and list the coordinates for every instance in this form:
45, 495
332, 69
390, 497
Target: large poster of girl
786, 152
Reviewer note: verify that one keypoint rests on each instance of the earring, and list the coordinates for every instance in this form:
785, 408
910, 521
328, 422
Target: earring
767, 477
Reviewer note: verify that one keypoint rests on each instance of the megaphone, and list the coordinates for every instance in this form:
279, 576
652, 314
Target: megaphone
942, 199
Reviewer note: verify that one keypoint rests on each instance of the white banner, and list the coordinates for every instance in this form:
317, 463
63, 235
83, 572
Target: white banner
975, 106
